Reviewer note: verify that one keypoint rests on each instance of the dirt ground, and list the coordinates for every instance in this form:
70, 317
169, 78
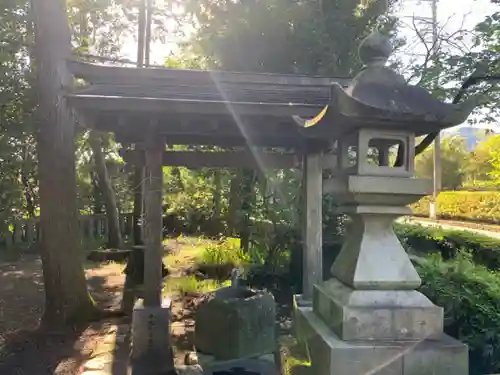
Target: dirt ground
26, 350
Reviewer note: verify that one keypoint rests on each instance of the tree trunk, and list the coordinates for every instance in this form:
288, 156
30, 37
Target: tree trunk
98, 204
247, 203
66, 296
28, 189
30, 205
115, 240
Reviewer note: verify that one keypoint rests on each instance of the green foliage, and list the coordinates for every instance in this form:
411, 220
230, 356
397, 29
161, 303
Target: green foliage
493, 146
456, 65
224, 252
480, 168
285, 36
420, 239
454, 162
481, 206
470, 296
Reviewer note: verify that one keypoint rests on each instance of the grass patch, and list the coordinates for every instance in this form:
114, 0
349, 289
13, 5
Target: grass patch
224, 252
185, 250
190, 285
296, 366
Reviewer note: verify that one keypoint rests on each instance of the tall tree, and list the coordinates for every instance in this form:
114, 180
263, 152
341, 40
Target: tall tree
283, 36
492, 145
67, 297
480, 167
115, 240
454, 159
18, 165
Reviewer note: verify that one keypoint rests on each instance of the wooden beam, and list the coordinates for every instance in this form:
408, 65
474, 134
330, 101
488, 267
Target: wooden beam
153, 222
222, 141
236, 159
173, 106
312, 224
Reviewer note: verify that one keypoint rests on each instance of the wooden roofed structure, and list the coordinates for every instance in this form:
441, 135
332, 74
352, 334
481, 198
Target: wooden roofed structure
250, 114
199, 107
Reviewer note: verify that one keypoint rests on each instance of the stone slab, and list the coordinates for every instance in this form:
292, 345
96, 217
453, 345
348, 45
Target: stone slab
371, 190
376, 315
331, 356
151, 344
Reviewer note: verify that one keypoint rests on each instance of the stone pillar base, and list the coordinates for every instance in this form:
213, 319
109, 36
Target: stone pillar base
151, 347
402, 315
441, 355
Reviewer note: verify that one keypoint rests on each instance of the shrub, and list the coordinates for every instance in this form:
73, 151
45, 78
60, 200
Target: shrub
482, 206
485, 250
224, 252
470, 296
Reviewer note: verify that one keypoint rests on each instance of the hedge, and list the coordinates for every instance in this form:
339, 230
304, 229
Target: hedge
481, 206
458, 271
470, 296
422, 240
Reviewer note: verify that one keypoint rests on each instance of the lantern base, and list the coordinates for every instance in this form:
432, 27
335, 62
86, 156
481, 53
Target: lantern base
376, 314
330, 355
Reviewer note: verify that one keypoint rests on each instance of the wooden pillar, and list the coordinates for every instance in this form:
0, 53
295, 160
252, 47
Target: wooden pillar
137, 183
153, 221
312, 224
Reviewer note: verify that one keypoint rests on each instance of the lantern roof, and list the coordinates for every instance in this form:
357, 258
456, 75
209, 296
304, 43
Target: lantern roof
379, 97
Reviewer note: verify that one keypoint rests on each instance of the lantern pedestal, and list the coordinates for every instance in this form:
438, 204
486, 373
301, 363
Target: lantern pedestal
439, 355
368, 318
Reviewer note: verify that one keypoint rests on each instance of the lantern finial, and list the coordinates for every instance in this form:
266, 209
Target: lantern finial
375, 49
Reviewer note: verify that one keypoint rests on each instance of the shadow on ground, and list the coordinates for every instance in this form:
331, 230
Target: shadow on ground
24, 348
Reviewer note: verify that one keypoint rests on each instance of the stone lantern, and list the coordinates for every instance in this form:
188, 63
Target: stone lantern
369, 318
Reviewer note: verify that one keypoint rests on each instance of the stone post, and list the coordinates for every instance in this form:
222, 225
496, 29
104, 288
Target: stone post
368, 318
151, 348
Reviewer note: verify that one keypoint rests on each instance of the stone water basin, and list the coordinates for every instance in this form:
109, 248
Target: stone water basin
236, 323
